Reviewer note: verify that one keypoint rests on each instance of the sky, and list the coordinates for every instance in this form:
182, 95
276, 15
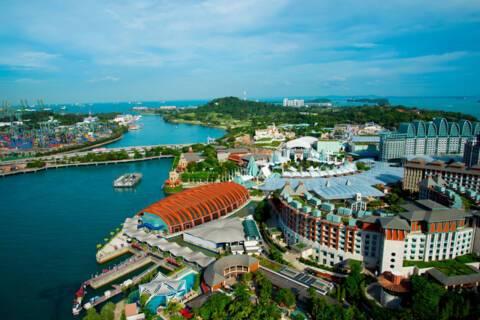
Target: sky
94, 51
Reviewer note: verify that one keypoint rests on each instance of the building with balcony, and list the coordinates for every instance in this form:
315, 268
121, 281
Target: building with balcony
456, 174
437, 137
427, 231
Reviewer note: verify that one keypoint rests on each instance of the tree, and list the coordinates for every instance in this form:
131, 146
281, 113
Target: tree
353, 284
92, 315
108, 311
426, 297
143, 299
214, 308
173, 307
285, 297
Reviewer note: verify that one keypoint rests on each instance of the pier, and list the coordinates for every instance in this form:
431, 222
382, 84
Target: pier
125, 268
118, 289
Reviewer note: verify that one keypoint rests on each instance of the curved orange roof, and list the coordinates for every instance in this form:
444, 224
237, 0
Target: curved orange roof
195, 206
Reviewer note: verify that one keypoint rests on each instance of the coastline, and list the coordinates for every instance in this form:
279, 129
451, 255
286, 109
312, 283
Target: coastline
193, 122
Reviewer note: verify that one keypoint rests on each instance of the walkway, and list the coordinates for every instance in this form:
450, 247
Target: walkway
119, 271
58, 166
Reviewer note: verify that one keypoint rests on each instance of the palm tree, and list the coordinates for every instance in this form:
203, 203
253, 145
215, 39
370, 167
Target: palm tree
173, 307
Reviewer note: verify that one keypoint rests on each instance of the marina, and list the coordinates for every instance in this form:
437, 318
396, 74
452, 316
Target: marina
128, 180
62, 267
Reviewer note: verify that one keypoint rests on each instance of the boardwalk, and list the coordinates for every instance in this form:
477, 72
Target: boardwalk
96, 150
130, 265
66, 165
118, 289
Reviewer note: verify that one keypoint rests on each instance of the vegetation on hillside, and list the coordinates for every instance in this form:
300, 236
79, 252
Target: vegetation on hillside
231, 112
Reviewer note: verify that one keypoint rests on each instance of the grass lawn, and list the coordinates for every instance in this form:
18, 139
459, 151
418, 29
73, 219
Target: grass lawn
454, 267
270, 264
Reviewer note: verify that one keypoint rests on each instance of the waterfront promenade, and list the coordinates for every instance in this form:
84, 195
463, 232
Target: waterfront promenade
72, 154
66, 165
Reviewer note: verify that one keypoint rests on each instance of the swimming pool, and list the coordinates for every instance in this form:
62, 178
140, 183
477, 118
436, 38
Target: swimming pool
176, 288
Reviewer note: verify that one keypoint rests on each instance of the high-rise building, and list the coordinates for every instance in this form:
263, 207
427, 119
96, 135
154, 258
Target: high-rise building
437, 137
471, 154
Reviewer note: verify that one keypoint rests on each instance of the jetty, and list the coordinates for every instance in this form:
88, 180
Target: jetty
121, 270
117, 289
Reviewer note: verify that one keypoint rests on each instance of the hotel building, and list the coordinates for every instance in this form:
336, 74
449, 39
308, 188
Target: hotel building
427, 231
437, 137
455, 174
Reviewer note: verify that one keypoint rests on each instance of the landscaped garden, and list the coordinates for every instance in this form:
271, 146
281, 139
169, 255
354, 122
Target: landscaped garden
453, 267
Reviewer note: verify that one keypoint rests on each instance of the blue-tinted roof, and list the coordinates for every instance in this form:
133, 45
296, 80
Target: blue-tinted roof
373, 139
381, 173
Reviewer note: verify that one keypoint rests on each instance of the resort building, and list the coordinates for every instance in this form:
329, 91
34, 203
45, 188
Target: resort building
189, 157
435, 189
240, 236
455, 174
193, 207
330, 147
427, 231
226, 270
271, 133
293, 103
471, 154
224, 153
364, 146
437, 137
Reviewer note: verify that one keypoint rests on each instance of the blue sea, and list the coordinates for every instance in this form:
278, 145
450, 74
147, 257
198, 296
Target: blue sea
52, 220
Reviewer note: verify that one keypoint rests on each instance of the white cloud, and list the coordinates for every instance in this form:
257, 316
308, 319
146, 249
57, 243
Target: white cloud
105, 78
28, 59
364, 45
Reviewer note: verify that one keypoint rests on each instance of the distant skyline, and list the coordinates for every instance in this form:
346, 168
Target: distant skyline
97, 51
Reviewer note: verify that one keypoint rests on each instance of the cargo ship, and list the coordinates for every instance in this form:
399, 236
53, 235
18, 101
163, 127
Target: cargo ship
128, 180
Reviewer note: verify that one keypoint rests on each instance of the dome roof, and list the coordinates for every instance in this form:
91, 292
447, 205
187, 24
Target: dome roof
195, 206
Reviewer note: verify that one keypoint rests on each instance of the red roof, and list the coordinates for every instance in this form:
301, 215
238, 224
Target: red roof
195, 206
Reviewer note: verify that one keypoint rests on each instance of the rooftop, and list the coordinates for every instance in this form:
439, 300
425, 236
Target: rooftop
214, 273
220, 231
430, 211
343, 187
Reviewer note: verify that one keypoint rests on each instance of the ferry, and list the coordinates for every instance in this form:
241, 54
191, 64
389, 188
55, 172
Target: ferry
128, 180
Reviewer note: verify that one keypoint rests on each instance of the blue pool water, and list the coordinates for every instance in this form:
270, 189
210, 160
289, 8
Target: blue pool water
162, 300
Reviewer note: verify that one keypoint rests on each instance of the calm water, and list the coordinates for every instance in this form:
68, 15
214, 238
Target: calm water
154, 130
51, 224
52, 221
